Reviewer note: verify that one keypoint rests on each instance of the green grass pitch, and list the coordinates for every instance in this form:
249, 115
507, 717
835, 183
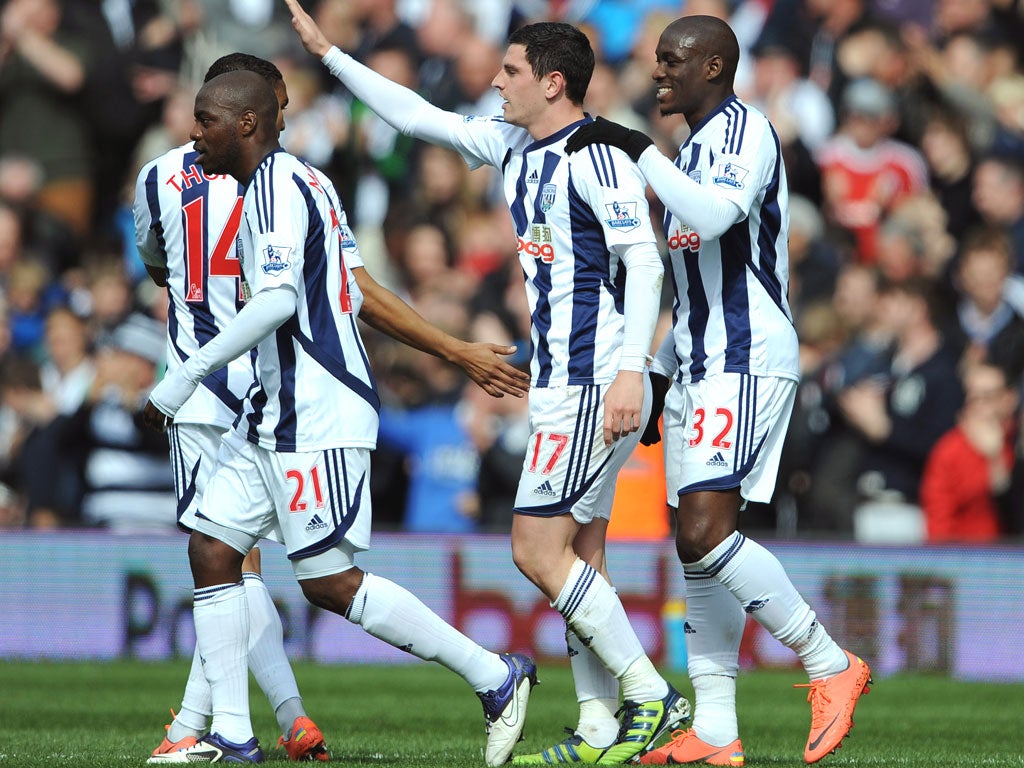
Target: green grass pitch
422, 716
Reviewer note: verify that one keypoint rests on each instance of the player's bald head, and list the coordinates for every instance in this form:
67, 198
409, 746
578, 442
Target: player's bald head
242, 91
709, 35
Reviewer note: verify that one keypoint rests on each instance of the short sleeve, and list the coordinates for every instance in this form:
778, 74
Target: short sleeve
278, 220
484, 140
145, 238
615, 190
745, 163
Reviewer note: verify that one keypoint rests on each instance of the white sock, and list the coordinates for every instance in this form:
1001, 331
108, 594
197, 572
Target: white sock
593, 611
194, 715
267, 659
714, 718
714, 628
396, 616
597, 692
757, 579
221, 616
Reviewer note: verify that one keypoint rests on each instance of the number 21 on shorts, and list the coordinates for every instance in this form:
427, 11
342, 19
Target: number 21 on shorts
305, 483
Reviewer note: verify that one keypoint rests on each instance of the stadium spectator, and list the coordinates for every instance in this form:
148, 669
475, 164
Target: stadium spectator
798, 108
136, 52
585, 360
822, 449
902, 411
126, 475
950, 162
821, 26
864, 171
385, 159
318, 122
969, 468
990, 309
381, 27
998, 194
723, 442
475, 62
303, 461
49, 476
26, 288
444, 30
43, 66
877, 50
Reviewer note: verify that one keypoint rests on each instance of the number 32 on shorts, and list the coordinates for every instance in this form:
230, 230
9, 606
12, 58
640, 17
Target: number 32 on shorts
723, 420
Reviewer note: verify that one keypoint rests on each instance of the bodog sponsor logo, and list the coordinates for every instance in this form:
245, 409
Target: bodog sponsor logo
539, 245
684, 240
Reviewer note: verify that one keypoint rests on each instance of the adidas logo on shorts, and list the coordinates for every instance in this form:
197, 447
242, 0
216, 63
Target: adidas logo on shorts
717, 461
545, 489
315, 524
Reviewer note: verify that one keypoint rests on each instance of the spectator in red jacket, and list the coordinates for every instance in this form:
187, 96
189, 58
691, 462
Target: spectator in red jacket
864, 171
969, 468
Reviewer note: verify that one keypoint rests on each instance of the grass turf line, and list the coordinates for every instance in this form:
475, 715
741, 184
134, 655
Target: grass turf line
422, 716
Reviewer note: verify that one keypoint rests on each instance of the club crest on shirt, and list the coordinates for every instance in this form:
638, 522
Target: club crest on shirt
275, 259
730, 175
695, 175
547, 196
623, 216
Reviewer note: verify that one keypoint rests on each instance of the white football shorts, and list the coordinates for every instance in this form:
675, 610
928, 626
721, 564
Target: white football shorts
726, 431
317, 503
194, 450
567, 467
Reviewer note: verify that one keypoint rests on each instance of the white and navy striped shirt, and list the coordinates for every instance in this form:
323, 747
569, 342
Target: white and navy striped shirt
315, 388
187, 223
731, 311
571, 213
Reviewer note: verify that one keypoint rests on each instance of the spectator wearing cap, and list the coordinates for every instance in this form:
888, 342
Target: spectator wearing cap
865, 172
125, 472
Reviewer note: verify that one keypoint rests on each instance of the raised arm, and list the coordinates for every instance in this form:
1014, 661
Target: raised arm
390, 315
403, 109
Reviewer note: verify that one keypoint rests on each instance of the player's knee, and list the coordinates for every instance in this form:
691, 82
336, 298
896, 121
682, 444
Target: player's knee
527, 561
689, 548
695, 538
333, 593
212, 561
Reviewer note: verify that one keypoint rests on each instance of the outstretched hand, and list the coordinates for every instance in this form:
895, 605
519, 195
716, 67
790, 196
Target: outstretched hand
482, 363
602, 131
313, 40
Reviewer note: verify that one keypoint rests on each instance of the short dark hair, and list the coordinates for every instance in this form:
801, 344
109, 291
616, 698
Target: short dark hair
553, 46
244, 62
925, 289
992, 239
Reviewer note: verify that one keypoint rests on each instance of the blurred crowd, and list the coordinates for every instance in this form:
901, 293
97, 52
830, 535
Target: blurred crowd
902, 125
